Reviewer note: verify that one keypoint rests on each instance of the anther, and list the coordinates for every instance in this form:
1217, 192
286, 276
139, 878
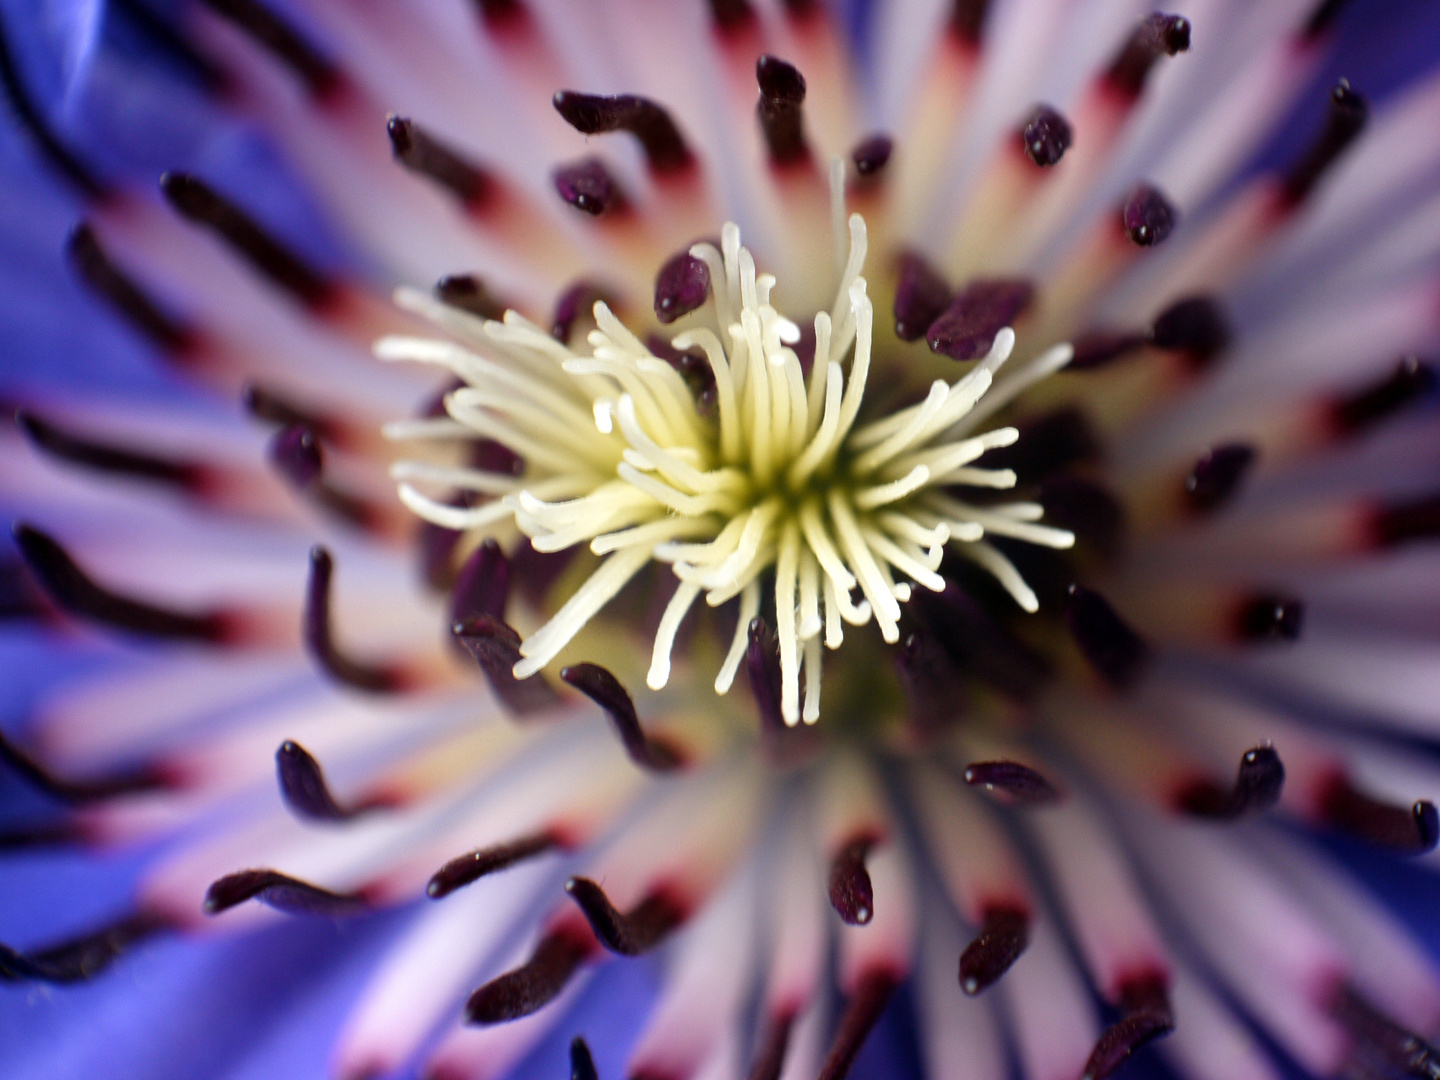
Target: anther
1092, 513
980, 643
648, 751
694, 368
577, 300
862, 1013
283, 42
781, 112
199, 202
1258, 784
319, 642
589, 186
933, 683
1098, 348
264, 404
681, 286
1217, 475
921, 296
281, 892
422, 153
1196, 327
1324, 16
629, 933
303, 787
76, 593
1345, 122
1047, 443
762, 665
1145, 1016
81, 958
770, 1060
534, 984
1412, 380
967, 328
1381, 1047
469, 868
731, 16
851, 893
1396, 523
1269, 618
295, 453
1147, 216
594, 114
967, 20
1019, 784
1157, 35
582, 1064
483, 585
1116, 652
468, 293
80, 792
1411, 830
119, 290
501, 15
1046, 136
496, 648
1002, 938
91, 454
872, 154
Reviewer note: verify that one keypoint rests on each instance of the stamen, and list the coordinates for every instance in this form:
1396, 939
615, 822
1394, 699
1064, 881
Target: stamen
119, 290
1257, 788
534, 984
496, 648
1047, 443
1020, 784
82, 958
422, 153
582, 1065
303, 787
202, 204
770, 1061
600, 686
577, 300
588, 185
1380, 1042
80, 792
681, 286
1346, 120
981, 643
851, 894
1326, 12
467, 869
1046, 136
281, 40
1412, 831
593, 114
1397, 523
1116, 652
1217, 475
1145, 1015
861, 1014
500, 15
1098, 348
731, 16
967, 328
782, 119
1269, 618
264, 404
628, 933
77, 594
967, 20
1157, 35
1196, 327
933, 683
295, 452
281, 892
483, 585
1147, 216
1412, 380
87, 453
468, 293
872, 154
921, 297
1002, 939
1092, 513
315, 629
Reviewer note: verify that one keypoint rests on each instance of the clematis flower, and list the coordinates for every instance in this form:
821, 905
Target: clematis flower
933, 518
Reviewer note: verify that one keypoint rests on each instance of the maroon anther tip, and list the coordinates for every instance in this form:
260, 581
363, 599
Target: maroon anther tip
596, 114
1258, 784
283, 42
264, 404
471, 867
425, 155
762, 665
1020, 784
628, 933
92, 454
1345, 121
534, 984
1002, 938
1405, 521
83, 957
781, 110
1269, 617
1195, 327
1046, 136
967, 20
872, 154
468, 293
774, 1043
601, 687
1412, 830
79, 792
694, 367
1216, 476
320, 643
851, 893
966, 329
296, 455
483, 585
862, 1013
731, 16
1156, 35
1145, 1015
1118, 654
1147, 216
303, 786
1412, 380
921, 296
1099, 348
501, 15
120, 291
77, 594
589, 186
681, 286
578, 299
582, 1064
281, 892
495, 645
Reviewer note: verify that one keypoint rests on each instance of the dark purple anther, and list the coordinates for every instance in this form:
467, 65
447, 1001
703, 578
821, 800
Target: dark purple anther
587, 185
534, 984
281, 892
872, 154
1412, 380
1269, 618
681, 286
1020, 784
468, 293
1145, 1015
197, 201
1046, 136
629, 933
1157, 35
264, 404
1348, 113
303, 787
851, 894
1091, 512
862, 1013
582, 1064
120, 291
90, 454
1117, 653
1196, 327
296, 455
1258, 784
731, 16
77, 594
471, 867
495, 645
320, 644
1098, 348
762, 665
282, 41
422, 153
80, 792
577, 300
967, 328
921, 296
694, 367
1412, 830
1396, 523
781, 110
1001, 940
1217, 475
1148, 216
933, 682
1048, 442
967, 20
81, 958
594, 114
483, 584
1379, 1046
1323, 17
501, 15
601, 687
978, 642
